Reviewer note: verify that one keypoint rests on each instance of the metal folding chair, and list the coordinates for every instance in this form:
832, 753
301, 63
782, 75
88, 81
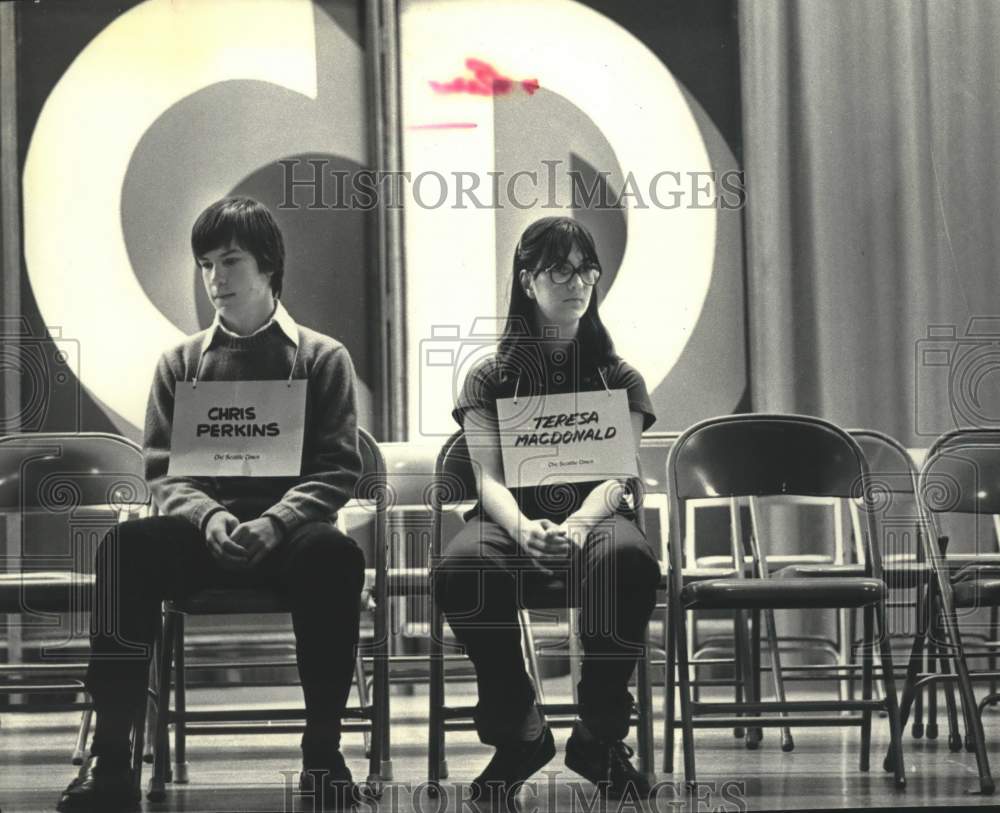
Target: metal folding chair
455, 482
893, 494
372, 715
960, 476
757, 456
60, 494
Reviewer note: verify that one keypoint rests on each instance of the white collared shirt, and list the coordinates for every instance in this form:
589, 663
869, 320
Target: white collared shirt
280, 315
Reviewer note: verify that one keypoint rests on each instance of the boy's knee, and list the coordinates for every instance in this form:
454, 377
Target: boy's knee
322, 550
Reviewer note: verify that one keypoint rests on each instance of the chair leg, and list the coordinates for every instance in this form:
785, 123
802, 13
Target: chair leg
889, 684
845, 688
644, 690
930, 656
944, 666
575, 652
531, 654
787, 743
138, 734
746, 650
919, 625
669, 689
693, 647
992, 661
684, 680
954, 641
436, 765
180, 705
152, 702
80, 749
363, 701
867, 659
911, 696
738, 684
379, 759
161, 741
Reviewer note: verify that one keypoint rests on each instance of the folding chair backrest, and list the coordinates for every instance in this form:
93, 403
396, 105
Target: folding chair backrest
962, 473
888, 460
60, 494
454, 482
372, 492
653, 452
763, 455
61, 472
892, 492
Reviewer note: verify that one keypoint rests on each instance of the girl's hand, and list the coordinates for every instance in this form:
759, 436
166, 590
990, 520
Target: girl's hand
575, 531
541, 540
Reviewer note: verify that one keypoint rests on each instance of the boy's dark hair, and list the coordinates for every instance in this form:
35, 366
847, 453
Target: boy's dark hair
249, 224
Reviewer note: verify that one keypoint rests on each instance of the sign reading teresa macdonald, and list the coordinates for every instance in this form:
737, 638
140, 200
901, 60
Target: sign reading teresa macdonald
238, 429
571, 438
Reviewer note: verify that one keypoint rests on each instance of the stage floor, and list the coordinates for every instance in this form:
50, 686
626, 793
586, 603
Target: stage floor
258, 772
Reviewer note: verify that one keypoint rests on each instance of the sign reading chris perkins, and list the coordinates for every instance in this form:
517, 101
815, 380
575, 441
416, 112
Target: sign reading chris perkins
574, 437
234, 422
238, 429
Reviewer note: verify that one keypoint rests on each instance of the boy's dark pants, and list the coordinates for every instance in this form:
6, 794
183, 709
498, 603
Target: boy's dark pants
140, 563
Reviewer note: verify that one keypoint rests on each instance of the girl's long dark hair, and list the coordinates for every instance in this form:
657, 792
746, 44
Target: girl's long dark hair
544, 243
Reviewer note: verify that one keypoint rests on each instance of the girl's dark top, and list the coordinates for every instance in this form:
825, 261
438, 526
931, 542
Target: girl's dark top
490, 380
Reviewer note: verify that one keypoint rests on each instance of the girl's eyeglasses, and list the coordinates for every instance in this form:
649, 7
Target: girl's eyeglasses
560, 273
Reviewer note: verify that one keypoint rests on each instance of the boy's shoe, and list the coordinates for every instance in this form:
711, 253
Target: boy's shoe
511, 765
102, 786
607, 764
330, 783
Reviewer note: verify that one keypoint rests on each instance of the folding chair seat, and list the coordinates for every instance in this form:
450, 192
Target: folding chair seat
372, 715
42, 590
902, 573
975, 591
455, 483
59, 494
776, 457
782, 593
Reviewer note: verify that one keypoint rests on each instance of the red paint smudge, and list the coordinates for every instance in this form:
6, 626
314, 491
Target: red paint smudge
445, 125
485, 81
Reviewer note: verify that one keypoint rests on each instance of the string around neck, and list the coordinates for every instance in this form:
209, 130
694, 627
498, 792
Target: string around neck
604, 381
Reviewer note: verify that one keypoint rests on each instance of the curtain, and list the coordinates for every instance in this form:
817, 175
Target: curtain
872, 158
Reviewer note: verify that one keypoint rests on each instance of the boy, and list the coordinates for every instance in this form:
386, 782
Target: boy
274, 531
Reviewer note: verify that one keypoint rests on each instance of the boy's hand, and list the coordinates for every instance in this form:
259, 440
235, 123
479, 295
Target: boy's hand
258, 537
218, 532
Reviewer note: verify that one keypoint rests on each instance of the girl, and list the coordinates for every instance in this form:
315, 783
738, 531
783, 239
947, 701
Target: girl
576, 539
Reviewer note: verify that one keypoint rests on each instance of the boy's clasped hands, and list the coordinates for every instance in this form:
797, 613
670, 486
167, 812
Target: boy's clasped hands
240, 545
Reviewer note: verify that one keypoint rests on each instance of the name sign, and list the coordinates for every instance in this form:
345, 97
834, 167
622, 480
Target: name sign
238, 429
571, 438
